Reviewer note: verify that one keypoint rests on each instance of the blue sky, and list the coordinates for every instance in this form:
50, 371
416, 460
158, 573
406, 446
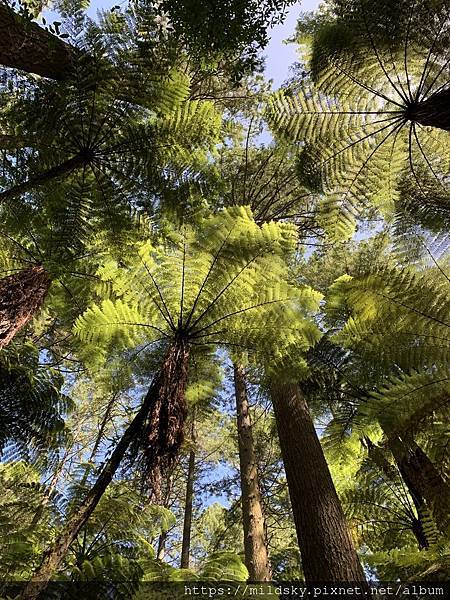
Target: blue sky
280, 56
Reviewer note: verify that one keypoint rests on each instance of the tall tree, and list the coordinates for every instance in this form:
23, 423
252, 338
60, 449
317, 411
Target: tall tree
326, 546
255, 545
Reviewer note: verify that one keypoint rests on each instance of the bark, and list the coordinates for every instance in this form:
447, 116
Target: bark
169, 383
26, 46
255, 547
326, 547
434, 111
45, 177
422, 478
158, 446
21, 296
188, 506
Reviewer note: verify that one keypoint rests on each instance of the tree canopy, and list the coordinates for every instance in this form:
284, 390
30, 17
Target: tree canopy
224, 308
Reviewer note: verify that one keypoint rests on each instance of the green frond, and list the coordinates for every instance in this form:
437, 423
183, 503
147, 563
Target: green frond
413, 564
31, 405
224, 566
409, 400
357, 113
416, 302
224, 284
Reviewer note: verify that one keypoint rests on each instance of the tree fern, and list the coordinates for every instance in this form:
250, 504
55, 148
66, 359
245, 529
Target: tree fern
188, 289
191, 285
417, 302
361, 114
98, 155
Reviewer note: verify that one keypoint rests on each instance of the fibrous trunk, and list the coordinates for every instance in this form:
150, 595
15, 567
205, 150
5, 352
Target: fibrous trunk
422, 476
255, 547
159, 442
21, 296
26, 46
434, 111
168, 387
326, 547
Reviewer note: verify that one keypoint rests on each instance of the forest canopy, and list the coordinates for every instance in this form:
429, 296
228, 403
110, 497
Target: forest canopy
224, 307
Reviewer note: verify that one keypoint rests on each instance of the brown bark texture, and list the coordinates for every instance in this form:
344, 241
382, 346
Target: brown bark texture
326, 547
255, 546
188, 505
422, 476
162, 434
26, 46
169, 383
21, 296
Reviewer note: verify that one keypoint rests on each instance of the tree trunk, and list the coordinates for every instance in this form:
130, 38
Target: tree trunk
377, 456
423, 478
256, 554
188, 506
161, 551
42, 178
326, 547
168, 386
21, 296
26, 46
434, 111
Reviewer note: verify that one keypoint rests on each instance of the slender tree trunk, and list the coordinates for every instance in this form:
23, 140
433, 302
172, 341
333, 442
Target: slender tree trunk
422, 478
161, 551
434, 111
42, 178
167, 387
21, 296
162, 538
325, 543
255, 547
188, 506
26, 46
